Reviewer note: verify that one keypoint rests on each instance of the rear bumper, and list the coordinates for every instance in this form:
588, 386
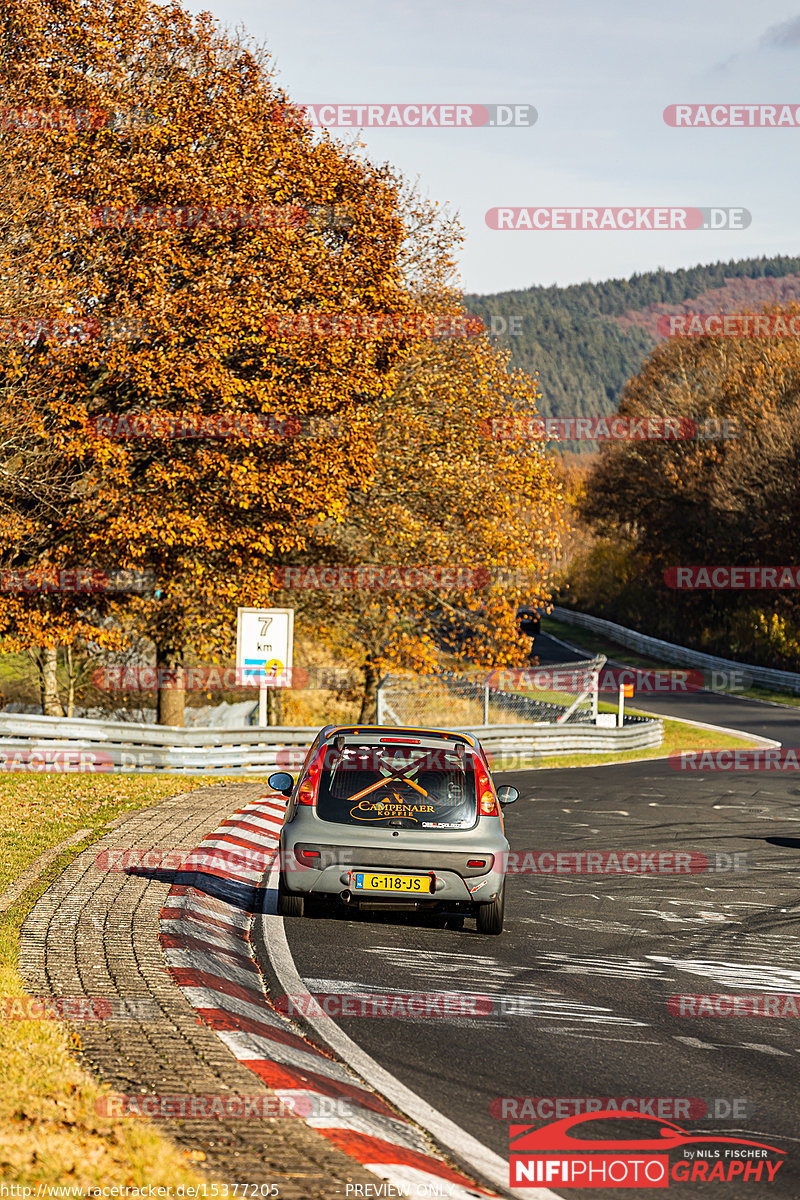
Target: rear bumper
336, 880
331, 873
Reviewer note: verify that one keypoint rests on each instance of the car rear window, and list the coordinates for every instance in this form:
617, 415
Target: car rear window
398, 786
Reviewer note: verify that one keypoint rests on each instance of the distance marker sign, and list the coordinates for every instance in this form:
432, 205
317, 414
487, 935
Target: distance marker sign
264, 639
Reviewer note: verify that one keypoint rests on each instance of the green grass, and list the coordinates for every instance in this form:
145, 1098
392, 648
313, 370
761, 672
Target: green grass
678, 736
758, 693
50, 1132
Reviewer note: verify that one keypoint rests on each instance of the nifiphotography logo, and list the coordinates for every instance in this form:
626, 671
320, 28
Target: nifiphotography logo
569, 1153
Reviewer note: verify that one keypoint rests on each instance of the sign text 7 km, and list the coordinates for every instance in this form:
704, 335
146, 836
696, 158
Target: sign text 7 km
264, 638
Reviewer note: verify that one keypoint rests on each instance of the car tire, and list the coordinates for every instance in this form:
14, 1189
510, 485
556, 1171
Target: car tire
490, 916
290, 904
317, 905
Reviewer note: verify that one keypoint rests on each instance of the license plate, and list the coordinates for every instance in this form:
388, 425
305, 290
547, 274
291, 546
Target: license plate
365, 881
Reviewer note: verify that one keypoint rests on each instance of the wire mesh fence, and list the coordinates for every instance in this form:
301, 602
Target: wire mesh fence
553, 695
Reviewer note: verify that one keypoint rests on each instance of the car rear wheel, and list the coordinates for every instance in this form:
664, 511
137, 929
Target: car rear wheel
290, 904
490, 916
318, 905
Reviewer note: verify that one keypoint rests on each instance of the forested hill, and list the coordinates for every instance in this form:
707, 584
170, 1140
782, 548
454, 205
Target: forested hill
587, 339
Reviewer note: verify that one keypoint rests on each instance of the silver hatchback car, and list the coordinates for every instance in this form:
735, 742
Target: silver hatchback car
383, 817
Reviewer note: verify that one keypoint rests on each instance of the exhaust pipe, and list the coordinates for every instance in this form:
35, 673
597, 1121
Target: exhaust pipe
345, 896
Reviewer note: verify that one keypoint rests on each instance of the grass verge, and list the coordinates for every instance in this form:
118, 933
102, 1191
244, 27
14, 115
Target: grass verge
678, 736
50, 1132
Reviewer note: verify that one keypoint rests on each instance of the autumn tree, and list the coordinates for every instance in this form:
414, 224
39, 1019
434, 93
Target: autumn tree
447, 491
38, 294
202, 514
711, 499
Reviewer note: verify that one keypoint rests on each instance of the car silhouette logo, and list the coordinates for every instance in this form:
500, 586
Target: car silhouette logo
558, 1136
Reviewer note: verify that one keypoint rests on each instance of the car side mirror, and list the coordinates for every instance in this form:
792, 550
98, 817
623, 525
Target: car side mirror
507, 794
281, 782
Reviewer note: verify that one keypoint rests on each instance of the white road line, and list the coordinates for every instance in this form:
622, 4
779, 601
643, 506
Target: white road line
488, 1164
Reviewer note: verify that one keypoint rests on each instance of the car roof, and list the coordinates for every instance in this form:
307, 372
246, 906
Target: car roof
398, 730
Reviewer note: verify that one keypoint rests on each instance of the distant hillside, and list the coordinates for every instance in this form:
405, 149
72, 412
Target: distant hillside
586, 340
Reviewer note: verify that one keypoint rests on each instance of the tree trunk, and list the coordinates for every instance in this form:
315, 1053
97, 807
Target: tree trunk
48, 682
274, 706
171, 693
369, 699
70, 682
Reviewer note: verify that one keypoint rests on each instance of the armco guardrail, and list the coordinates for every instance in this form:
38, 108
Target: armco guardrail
682, 656
507, 745
76, 744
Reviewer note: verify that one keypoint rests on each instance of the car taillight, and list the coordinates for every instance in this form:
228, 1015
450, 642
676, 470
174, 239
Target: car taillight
476, 862
487, 801
307, 792
309, 858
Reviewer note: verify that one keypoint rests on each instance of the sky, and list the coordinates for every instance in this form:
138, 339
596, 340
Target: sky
599, 75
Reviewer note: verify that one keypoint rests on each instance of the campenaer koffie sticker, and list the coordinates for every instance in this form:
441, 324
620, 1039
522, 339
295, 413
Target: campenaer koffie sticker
385, 810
